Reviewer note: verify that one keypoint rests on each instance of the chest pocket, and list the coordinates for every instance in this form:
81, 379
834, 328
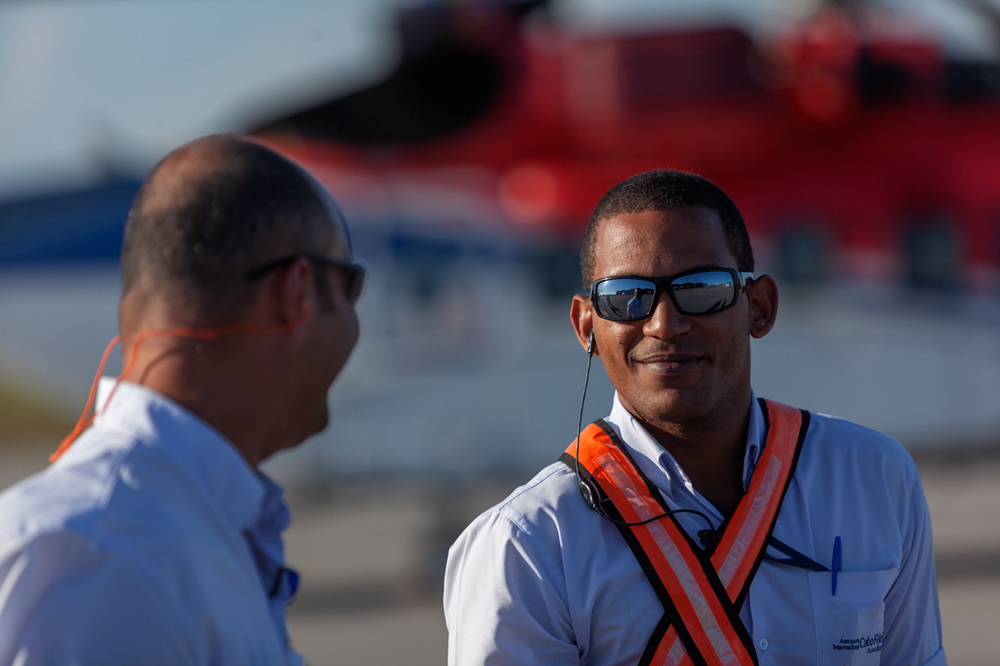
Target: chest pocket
850, 626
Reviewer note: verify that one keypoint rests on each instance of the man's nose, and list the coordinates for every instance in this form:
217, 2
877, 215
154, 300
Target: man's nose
665, 320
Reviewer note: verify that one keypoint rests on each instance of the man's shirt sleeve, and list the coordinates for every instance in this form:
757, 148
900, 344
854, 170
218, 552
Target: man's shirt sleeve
502, 606
912, 615
64, 600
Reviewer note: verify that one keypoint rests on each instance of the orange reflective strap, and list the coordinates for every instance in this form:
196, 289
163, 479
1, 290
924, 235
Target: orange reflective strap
677, 566
701, 592
670, 650
736, 555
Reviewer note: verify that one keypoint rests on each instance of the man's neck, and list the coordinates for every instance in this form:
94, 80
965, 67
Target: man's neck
213, 393
712, 459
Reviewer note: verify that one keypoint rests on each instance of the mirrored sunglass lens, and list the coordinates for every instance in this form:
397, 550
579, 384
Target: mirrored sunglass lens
704, 293
623, 299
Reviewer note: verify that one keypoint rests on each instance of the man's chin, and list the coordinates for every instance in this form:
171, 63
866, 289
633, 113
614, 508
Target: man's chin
322, 421
672, 406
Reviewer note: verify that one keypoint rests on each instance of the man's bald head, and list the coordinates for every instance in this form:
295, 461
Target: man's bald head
209, 213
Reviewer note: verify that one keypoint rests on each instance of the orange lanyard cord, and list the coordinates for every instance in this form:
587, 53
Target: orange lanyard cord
86, 418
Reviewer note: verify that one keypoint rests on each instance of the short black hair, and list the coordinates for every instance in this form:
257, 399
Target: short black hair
662, 189
198, 229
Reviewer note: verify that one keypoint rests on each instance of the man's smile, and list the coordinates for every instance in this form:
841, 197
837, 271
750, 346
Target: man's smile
669, 363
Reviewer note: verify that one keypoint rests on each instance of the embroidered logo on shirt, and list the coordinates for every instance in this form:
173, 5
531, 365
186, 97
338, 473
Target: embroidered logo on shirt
870, 644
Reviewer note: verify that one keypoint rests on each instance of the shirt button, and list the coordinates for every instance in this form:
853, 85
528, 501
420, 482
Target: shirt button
763, 644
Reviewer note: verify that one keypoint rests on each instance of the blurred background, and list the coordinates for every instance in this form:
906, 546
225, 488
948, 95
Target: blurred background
468, 143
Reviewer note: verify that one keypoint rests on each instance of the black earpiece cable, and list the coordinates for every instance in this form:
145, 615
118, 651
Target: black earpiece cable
592, 497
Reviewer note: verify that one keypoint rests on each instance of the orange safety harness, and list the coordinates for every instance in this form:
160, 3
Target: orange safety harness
701, 591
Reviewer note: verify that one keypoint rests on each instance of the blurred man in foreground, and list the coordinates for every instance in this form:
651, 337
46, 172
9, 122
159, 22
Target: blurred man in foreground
154, 538
695, 524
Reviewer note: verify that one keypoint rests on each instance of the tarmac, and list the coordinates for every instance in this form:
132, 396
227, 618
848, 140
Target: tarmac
371, 560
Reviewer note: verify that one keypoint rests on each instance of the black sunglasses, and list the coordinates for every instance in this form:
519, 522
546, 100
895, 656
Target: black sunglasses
355, 272
701, 291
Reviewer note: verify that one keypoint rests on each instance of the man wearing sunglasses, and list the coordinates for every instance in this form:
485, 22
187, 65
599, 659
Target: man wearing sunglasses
154, 538
696, 523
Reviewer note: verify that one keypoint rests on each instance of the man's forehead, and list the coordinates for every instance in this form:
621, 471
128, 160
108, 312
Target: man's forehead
664, 225
661, 236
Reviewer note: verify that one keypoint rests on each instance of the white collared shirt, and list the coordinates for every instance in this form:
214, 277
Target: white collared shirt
149, 541
542, 579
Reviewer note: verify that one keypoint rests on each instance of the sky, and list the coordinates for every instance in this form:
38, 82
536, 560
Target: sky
89, 83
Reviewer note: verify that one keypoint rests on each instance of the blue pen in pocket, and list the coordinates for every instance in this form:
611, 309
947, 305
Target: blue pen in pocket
837, 565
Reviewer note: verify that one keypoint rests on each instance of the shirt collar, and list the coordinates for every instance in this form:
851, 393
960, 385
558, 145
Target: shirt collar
756, 432
660, 467
177, 436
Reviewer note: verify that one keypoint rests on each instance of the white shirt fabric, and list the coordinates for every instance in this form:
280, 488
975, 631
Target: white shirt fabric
150, 541
543, 579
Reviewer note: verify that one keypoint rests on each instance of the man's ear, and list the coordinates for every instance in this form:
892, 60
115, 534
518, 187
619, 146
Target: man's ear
294, 293
762, 293
581, 312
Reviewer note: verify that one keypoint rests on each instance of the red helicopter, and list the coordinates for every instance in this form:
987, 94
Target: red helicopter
856, 148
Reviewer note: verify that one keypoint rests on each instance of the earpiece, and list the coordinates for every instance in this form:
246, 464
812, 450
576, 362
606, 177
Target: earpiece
591, 345
589, 493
